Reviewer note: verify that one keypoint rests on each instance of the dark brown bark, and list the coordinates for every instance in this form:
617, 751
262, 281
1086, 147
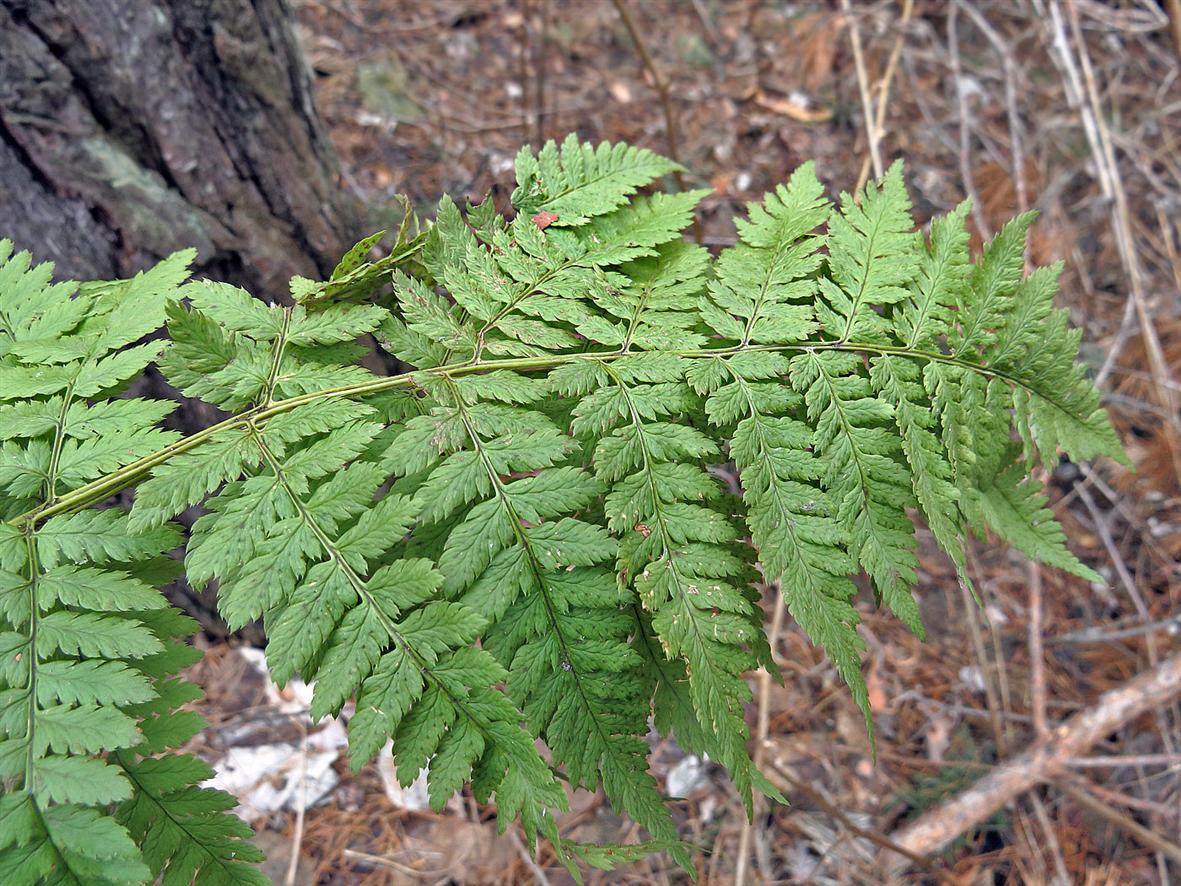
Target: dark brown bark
130, 128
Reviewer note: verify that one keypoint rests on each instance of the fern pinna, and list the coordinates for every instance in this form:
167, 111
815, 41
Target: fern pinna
520, 538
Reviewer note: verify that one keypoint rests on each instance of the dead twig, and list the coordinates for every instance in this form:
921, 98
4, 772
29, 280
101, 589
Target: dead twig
1135, 830
761, 730
1044, 761
297, 837
1127, 760
1037, 658
523, 851
992, 697
965, 115
1082, 93
539, 71
1009, 66
863, 87
877, 839
1047, 826
664, 92
1174, 7
887, 79
1100, 635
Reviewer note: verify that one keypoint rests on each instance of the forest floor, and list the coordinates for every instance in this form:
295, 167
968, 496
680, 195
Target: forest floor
1072, 107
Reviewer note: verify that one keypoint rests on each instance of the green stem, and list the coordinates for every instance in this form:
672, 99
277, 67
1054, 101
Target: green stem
34, 577
59, 440
129, 475
277, 358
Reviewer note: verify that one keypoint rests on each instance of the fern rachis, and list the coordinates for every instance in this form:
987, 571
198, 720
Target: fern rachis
519, 539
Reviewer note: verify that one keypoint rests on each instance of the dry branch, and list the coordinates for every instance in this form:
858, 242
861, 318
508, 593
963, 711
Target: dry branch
1045, 760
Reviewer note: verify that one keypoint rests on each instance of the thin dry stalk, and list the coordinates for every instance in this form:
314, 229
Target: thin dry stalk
1129, 583
1137, 831
1126, 760
541, 47
1166, 229
1062, 878
761, 729
1009, 66
297, 837
664, 92
965, 115
1082, 93
863, 87
1174, 7
1037, 657
882, 842
1099, 635
879, 123
522, 851
986, 669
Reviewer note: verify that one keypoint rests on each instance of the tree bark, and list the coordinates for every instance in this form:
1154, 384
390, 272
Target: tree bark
130, 128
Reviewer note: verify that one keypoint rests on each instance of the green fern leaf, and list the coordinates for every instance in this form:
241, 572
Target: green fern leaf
516, 554
579, 182
872, 258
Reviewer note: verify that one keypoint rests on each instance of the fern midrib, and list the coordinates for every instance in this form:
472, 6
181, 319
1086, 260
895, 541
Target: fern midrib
929, 300
34, 566
863, 284
587, 259
158, 802
971, 328
534, 566
765, 286
983, 309
585, 183
638, 422
858, 459
512, 304
667, 553
605, 738
837, 404
59, 439
657, 654
786, 514
518, 530
106, 486
361, 589
31, 727
633, 325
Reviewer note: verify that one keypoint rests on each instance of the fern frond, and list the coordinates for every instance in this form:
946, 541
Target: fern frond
304, 540
864, 474
761, 281
931, 472
559, 622
872, 258
520, 539
673, 546
938, 287
579, 181
992, 291
790, 514
88, 651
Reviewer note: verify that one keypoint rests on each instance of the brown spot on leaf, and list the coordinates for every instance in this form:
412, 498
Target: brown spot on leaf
544, 219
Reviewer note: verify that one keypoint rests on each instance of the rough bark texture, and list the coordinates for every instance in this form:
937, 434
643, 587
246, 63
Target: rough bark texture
130, 128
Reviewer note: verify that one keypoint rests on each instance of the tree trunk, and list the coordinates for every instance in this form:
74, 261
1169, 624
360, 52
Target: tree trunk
130, 128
